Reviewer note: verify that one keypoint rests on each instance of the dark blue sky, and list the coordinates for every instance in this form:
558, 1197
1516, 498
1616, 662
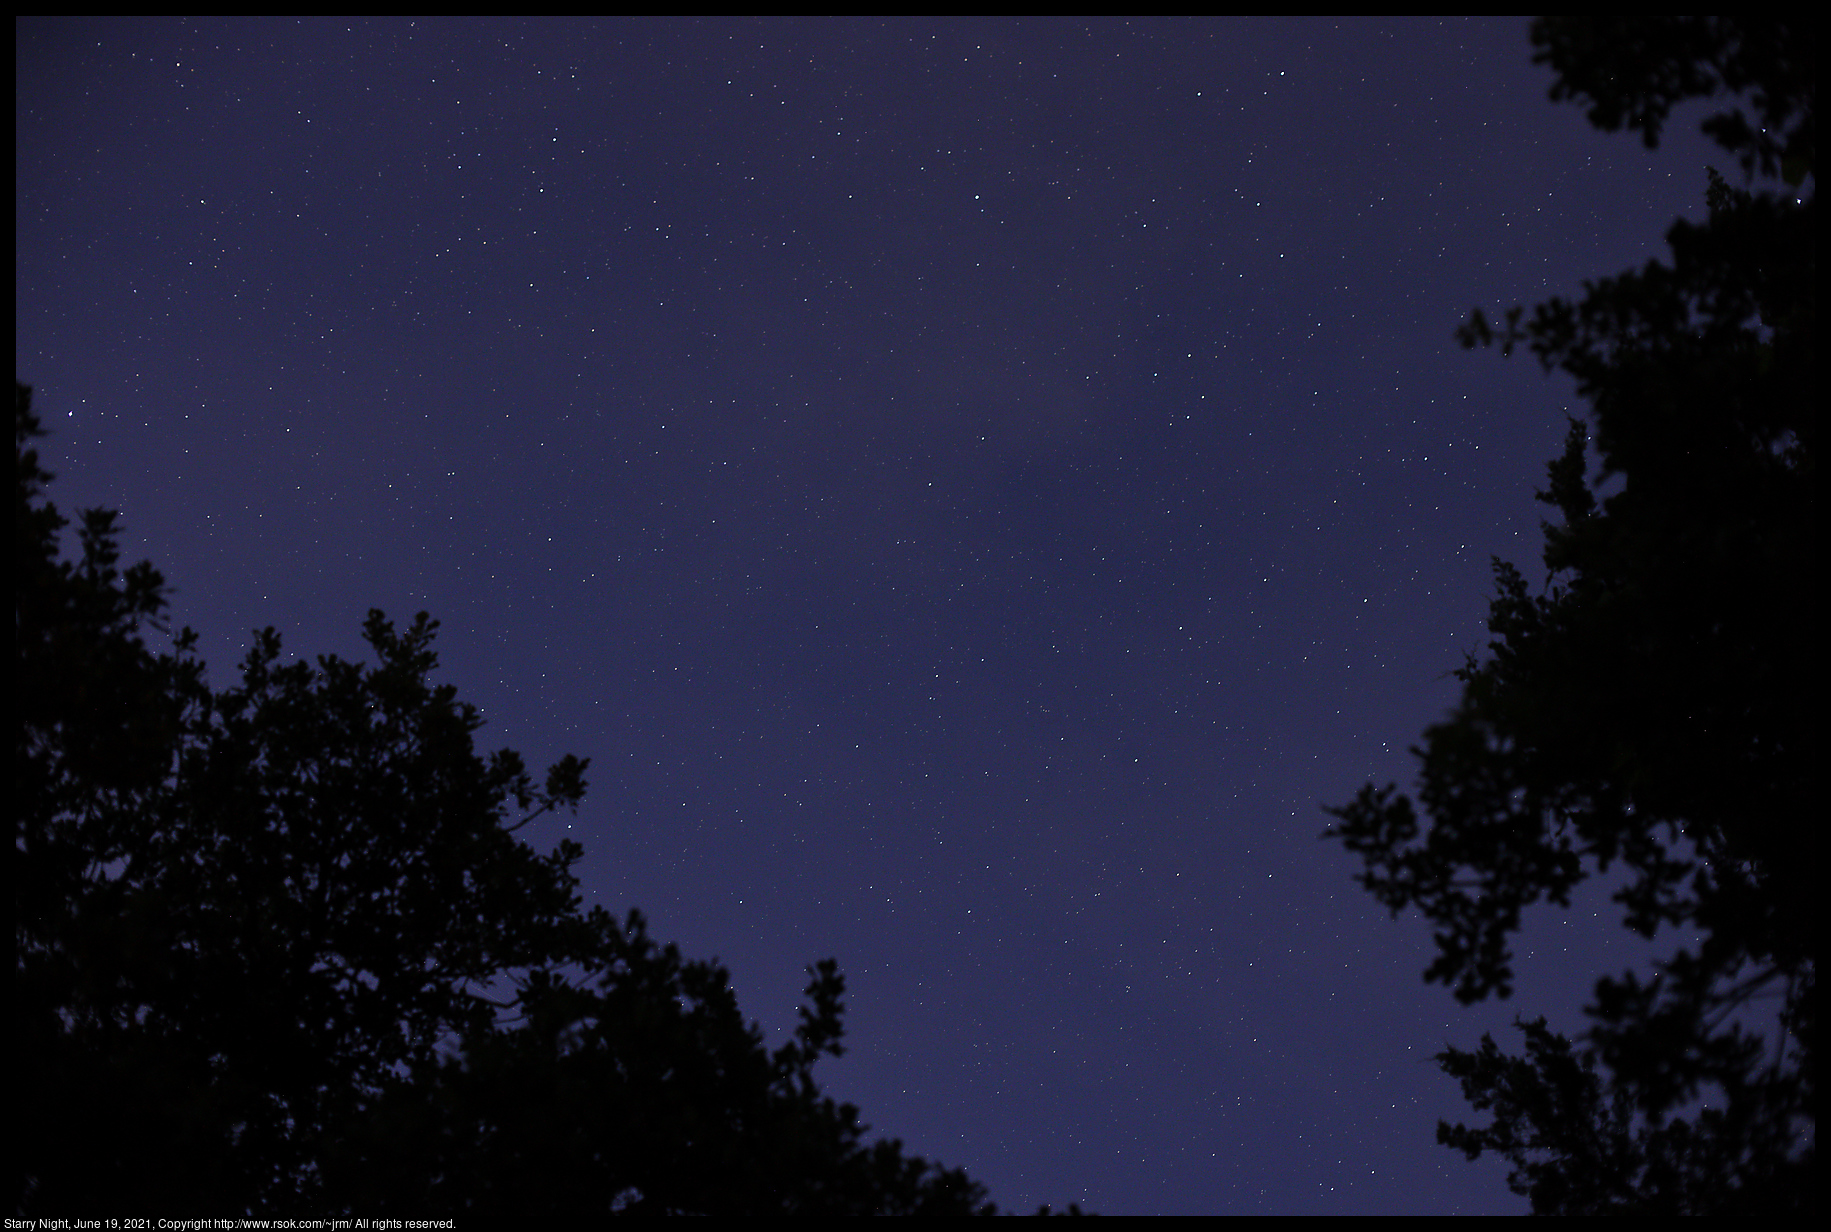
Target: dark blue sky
973, 489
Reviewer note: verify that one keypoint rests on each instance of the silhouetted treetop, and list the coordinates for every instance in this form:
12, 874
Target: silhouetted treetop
1632, 70
1652, 706
279, 948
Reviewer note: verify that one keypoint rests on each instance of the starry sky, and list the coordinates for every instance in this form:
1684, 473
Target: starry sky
974, 489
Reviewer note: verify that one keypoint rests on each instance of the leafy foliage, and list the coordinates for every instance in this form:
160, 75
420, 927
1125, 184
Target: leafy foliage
278, 948
1632, 70
1652, 705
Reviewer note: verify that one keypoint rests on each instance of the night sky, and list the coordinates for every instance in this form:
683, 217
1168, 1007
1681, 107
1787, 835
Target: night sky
974, 489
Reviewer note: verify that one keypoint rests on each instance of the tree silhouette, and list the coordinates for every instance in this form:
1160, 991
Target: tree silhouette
278, 948
1651, 705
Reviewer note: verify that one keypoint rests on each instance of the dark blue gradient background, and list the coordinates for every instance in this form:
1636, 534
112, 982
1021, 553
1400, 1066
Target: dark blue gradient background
974, 489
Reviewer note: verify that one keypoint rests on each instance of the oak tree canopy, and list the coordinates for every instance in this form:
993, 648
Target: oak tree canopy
1649, 707
280, 949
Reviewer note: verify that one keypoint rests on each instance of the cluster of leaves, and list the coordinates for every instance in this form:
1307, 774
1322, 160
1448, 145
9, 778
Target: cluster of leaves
279, 949
1652, 706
